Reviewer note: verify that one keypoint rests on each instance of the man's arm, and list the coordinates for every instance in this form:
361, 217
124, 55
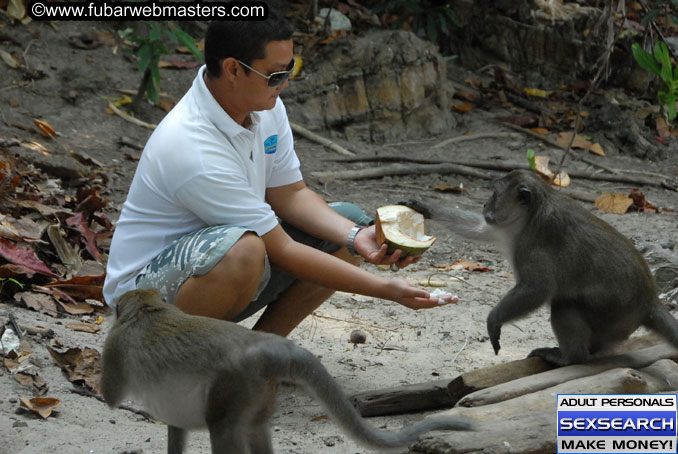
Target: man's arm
331, 272
304, 209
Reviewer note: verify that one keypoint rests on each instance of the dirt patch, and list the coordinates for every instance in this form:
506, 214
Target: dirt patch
402, 346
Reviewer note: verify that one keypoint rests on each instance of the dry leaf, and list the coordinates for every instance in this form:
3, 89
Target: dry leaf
38, 383
76, 308
84, 327
165, 104
25, 256
40, 405
448, 188
614, 203
466, 95
542, 168
541, 131
81, 365
38, 302
16, 9
45, 128
663, 129
597, 149
579, 142
641, 203
463, 108
465, 265
9, 59
199, 44
35, 146
536, 92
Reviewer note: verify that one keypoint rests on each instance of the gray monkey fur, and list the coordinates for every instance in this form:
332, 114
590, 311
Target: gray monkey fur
598, 285
193, 372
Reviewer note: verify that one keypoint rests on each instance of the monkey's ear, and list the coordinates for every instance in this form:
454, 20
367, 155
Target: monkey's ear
524, 195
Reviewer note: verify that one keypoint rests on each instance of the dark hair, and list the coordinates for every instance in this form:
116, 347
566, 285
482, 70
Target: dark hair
243, 40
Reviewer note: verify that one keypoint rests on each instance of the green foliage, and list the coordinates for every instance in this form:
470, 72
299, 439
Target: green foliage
660, 64
4, 280
661, 7
149, 47
433, 19
530, 159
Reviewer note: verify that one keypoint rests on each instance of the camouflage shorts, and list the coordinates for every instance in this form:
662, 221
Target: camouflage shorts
196, 253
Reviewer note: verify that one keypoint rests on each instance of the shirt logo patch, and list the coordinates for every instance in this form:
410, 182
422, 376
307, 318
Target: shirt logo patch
271, 144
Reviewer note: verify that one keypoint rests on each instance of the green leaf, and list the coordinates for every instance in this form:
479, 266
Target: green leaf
431, 29
665, 60
645, 60
650, 16
155, 32
670, 102
452, 15
443, 25
530, 159
186, 39
145, 53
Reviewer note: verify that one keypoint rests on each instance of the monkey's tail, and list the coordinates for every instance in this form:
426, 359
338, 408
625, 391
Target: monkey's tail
303, 367
662, 322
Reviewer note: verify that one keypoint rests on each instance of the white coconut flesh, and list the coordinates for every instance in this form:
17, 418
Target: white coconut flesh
403, 228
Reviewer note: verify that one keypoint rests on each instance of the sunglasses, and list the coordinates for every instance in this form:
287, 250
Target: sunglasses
277, 78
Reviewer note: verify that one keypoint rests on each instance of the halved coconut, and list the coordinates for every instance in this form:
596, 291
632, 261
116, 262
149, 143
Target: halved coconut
402, 228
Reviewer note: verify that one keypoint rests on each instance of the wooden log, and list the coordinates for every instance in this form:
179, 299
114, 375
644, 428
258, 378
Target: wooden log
404, 399
433, 396
638, 359
488, 377
528, 424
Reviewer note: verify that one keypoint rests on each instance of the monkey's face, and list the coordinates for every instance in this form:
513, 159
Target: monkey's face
509, 204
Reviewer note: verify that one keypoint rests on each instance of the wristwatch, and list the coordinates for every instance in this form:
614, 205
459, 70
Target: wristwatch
350, 241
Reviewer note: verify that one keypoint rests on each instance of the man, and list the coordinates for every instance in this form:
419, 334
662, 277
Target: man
201, 220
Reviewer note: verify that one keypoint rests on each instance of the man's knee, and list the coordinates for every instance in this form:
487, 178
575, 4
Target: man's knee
247, 256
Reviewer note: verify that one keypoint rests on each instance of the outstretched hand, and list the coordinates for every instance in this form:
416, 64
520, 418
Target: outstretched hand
416, 298
366, 245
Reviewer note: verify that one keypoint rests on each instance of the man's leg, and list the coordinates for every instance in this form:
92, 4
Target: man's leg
228, 287
296, 302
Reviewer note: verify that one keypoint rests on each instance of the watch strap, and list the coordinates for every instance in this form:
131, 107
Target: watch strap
350, 241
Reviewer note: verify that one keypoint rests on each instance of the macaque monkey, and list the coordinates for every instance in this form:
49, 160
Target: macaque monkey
193, 372
598, 285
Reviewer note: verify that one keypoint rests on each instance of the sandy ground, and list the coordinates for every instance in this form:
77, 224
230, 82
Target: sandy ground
402, 347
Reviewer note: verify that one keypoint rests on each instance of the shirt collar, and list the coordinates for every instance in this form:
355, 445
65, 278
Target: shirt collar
214, 112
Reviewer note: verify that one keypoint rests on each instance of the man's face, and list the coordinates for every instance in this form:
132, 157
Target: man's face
256, 90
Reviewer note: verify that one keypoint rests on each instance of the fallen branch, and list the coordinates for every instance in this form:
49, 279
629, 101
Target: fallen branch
483, 135
399, 169
319, 139
489, 165
125, 116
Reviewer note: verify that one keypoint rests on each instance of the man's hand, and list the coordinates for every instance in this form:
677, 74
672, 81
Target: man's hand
365, 244
416, 298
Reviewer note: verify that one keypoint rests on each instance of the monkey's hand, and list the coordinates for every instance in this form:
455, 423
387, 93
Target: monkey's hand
494, 330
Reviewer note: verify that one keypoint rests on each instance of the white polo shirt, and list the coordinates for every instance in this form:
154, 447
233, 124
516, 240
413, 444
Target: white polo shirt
199, 168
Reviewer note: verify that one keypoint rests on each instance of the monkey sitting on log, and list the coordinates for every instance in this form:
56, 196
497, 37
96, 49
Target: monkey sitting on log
193, 372
598, 285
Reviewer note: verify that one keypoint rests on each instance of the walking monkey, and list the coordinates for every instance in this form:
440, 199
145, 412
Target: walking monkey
192, 372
